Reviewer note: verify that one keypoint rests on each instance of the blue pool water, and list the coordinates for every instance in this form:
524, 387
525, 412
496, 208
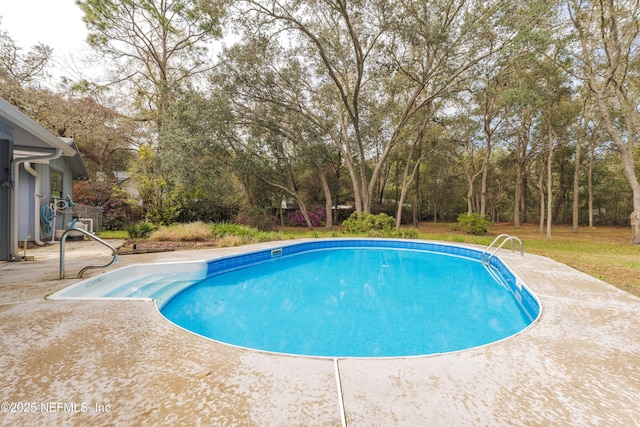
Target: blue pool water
356, 302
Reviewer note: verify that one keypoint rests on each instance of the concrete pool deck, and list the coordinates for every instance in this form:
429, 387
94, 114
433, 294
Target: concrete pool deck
121, 363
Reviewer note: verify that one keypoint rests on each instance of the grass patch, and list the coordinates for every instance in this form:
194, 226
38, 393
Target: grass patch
227, 229
116, 234
234, 234
230, 240
603, 252
189, 232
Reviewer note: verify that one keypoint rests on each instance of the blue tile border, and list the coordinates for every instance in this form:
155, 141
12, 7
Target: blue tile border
221, 265
233, 262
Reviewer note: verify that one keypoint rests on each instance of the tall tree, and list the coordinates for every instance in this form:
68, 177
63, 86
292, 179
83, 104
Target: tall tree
276, 116
412, 167
21, 72
523, 147
339, 39
488, 98
608, 34
376, 56
558, 113
196, 159
105, 137
582, 127
155, 45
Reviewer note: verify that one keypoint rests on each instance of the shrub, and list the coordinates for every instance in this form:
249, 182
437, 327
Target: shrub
160, 200
140, 230
473, 224
391, 209
316, 216
361, 222
117, 210
376, 233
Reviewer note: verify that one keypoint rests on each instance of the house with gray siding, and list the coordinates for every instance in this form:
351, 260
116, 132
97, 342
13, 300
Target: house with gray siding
37, 170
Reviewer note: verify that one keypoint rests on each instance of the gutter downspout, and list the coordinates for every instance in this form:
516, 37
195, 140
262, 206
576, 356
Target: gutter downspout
36, 217
15, 169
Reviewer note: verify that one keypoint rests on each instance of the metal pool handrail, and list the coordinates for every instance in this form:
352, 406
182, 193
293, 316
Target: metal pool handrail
507, 238
97, 239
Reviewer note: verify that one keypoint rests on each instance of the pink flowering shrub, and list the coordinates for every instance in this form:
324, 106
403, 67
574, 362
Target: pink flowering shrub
117, 210
316, 216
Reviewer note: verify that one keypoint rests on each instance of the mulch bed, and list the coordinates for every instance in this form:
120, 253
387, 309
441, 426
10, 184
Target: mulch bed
144, 247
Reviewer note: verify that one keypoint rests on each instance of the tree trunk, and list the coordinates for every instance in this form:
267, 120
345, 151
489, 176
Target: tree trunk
523, 192
281, 215
354, 181
542, 204
348, 160
328, 202
470, 197
590, 186
406, 181
550, 182
435, 212
581, 135
576, 186
633, 132
305, 213
406, 178
635, 228
485, 172
518, 196
416, 194
522, 142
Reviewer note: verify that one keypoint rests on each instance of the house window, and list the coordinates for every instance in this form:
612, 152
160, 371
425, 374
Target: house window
56, 184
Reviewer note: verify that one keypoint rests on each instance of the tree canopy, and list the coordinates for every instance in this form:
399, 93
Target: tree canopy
517, 111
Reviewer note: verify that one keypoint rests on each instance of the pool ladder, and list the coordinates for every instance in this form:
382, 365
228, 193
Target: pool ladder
505, 238
97, 239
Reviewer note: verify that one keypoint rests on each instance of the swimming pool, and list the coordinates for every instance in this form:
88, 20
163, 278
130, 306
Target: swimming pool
423, 325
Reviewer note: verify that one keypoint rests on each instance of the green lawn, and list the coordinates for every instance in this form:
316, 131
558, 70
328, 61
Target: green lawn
602, 252
118, 234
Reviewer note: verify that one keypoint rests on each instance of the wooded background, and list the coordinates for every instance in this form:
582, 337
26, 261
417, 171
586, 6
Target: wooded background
520, 111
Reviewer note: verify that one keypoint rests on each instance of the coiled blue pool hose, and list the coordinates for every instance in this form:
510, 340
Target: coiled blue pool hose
46, 218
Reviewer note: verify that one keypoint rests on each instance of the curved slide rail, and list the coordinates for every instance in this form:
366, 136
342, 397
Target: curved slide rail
506, 238
97, 239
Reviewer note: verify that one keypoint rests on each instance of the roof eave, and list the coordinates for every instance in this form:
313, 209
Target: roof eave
21, 120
